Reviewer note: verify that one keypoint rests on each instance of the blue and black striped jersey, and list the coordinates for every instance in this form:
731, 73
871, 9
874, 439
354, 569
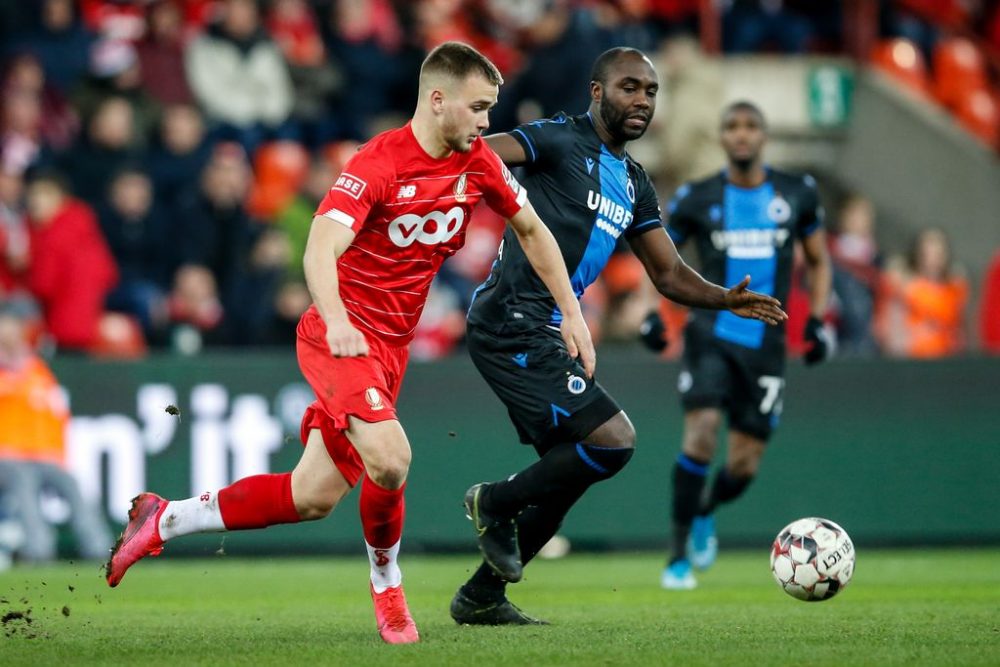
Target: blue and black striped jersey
587, 197
740, 231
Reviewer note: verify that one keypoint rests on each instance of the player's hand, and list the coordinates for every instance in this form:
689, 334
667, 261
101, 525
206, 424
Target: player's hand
752, 305
823, 339
344, 340
578, 343
653, 332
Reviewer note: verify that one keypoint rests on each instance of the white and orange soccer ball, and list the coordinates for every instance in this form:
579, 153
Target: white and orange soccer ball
812, 559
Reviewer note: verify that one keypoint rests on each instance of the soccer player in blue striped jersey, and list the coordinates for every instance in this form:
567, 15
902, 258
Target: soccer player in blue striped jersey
744, 220
590, 192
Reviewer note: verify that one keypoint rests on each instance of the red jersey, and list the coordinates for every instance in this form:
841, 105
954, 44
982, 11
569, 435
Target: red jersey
409, 212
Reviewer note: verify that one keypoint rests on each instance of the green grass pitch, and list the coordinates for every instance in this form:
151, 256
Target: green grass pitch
907, 607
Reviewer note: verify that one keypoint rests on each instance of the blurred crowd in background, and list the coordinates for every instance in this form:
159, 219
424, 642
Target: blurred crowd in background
161, 159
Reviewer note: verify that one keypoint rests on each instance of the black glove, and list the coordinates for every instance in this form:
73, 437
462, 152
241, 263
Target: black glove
823, 341
653, 333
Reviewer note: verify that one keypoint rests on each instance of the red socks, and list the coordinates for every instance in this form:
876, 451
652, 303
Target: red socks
258, 501
266, 500
382, 512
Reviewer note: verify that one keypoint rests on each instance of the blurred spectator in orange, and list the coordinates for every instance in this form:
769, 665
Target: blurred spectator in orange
179, 155
105, 148
161, 54
58, 122
60, 42
138, 234
989, 308
70, 271
115, 71
32, 450
239, 76
279, 170
923, 301
856, 274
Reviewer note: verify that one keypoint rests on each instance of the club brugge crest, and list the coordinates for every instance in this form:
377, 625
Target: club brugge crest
779, 210
460, 188
373, 398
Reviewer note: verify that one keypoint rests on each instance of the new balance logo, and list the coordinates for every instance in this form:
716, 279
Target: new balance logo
406, 191
521, 359
590, 165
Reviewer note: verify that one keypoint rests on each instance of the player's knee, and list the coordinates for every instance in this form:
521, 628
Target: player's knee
700, 435
626, 436
390, 471
315, 506
743, 467
607, 461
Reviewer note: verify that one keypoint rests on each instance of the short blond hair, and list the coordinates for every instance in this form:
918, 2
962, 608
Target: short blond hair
456, 61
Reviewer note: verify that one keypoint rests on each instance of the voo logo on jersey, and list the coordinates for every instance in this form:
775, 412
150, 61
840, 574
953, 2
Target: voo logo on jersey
433, 228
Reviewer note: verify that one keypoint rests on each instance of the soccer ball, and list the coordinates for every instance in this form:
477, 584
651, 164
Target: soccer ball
812, 559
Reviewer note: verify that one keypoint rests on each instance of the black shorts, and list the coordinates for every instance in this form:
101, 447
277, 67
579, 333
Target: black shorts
547, 394
747, 384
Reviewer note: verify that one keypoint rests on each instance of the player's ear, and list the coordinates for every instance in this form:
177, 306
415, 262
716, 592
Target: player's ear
437, 100
596, 91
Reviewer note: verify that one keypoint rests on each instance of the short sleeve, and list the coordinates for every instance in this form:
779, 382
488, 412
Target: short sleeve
544, 141
646, 215
501, 190
680, 218
355, 192
812, 214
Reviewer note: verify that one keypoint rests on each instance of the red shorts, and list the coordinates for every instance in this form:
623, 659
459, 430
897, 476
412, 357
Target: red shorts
365, 387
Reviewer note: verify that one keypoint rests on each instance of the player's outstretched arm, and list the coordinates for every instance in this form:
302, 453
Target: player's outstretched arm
678, 282
327, 242
508, 148
542, 251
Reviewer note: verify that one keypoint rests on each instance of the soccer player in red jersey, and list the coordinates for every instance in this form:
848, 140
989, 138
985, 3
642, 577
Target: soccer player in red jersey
395, 213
